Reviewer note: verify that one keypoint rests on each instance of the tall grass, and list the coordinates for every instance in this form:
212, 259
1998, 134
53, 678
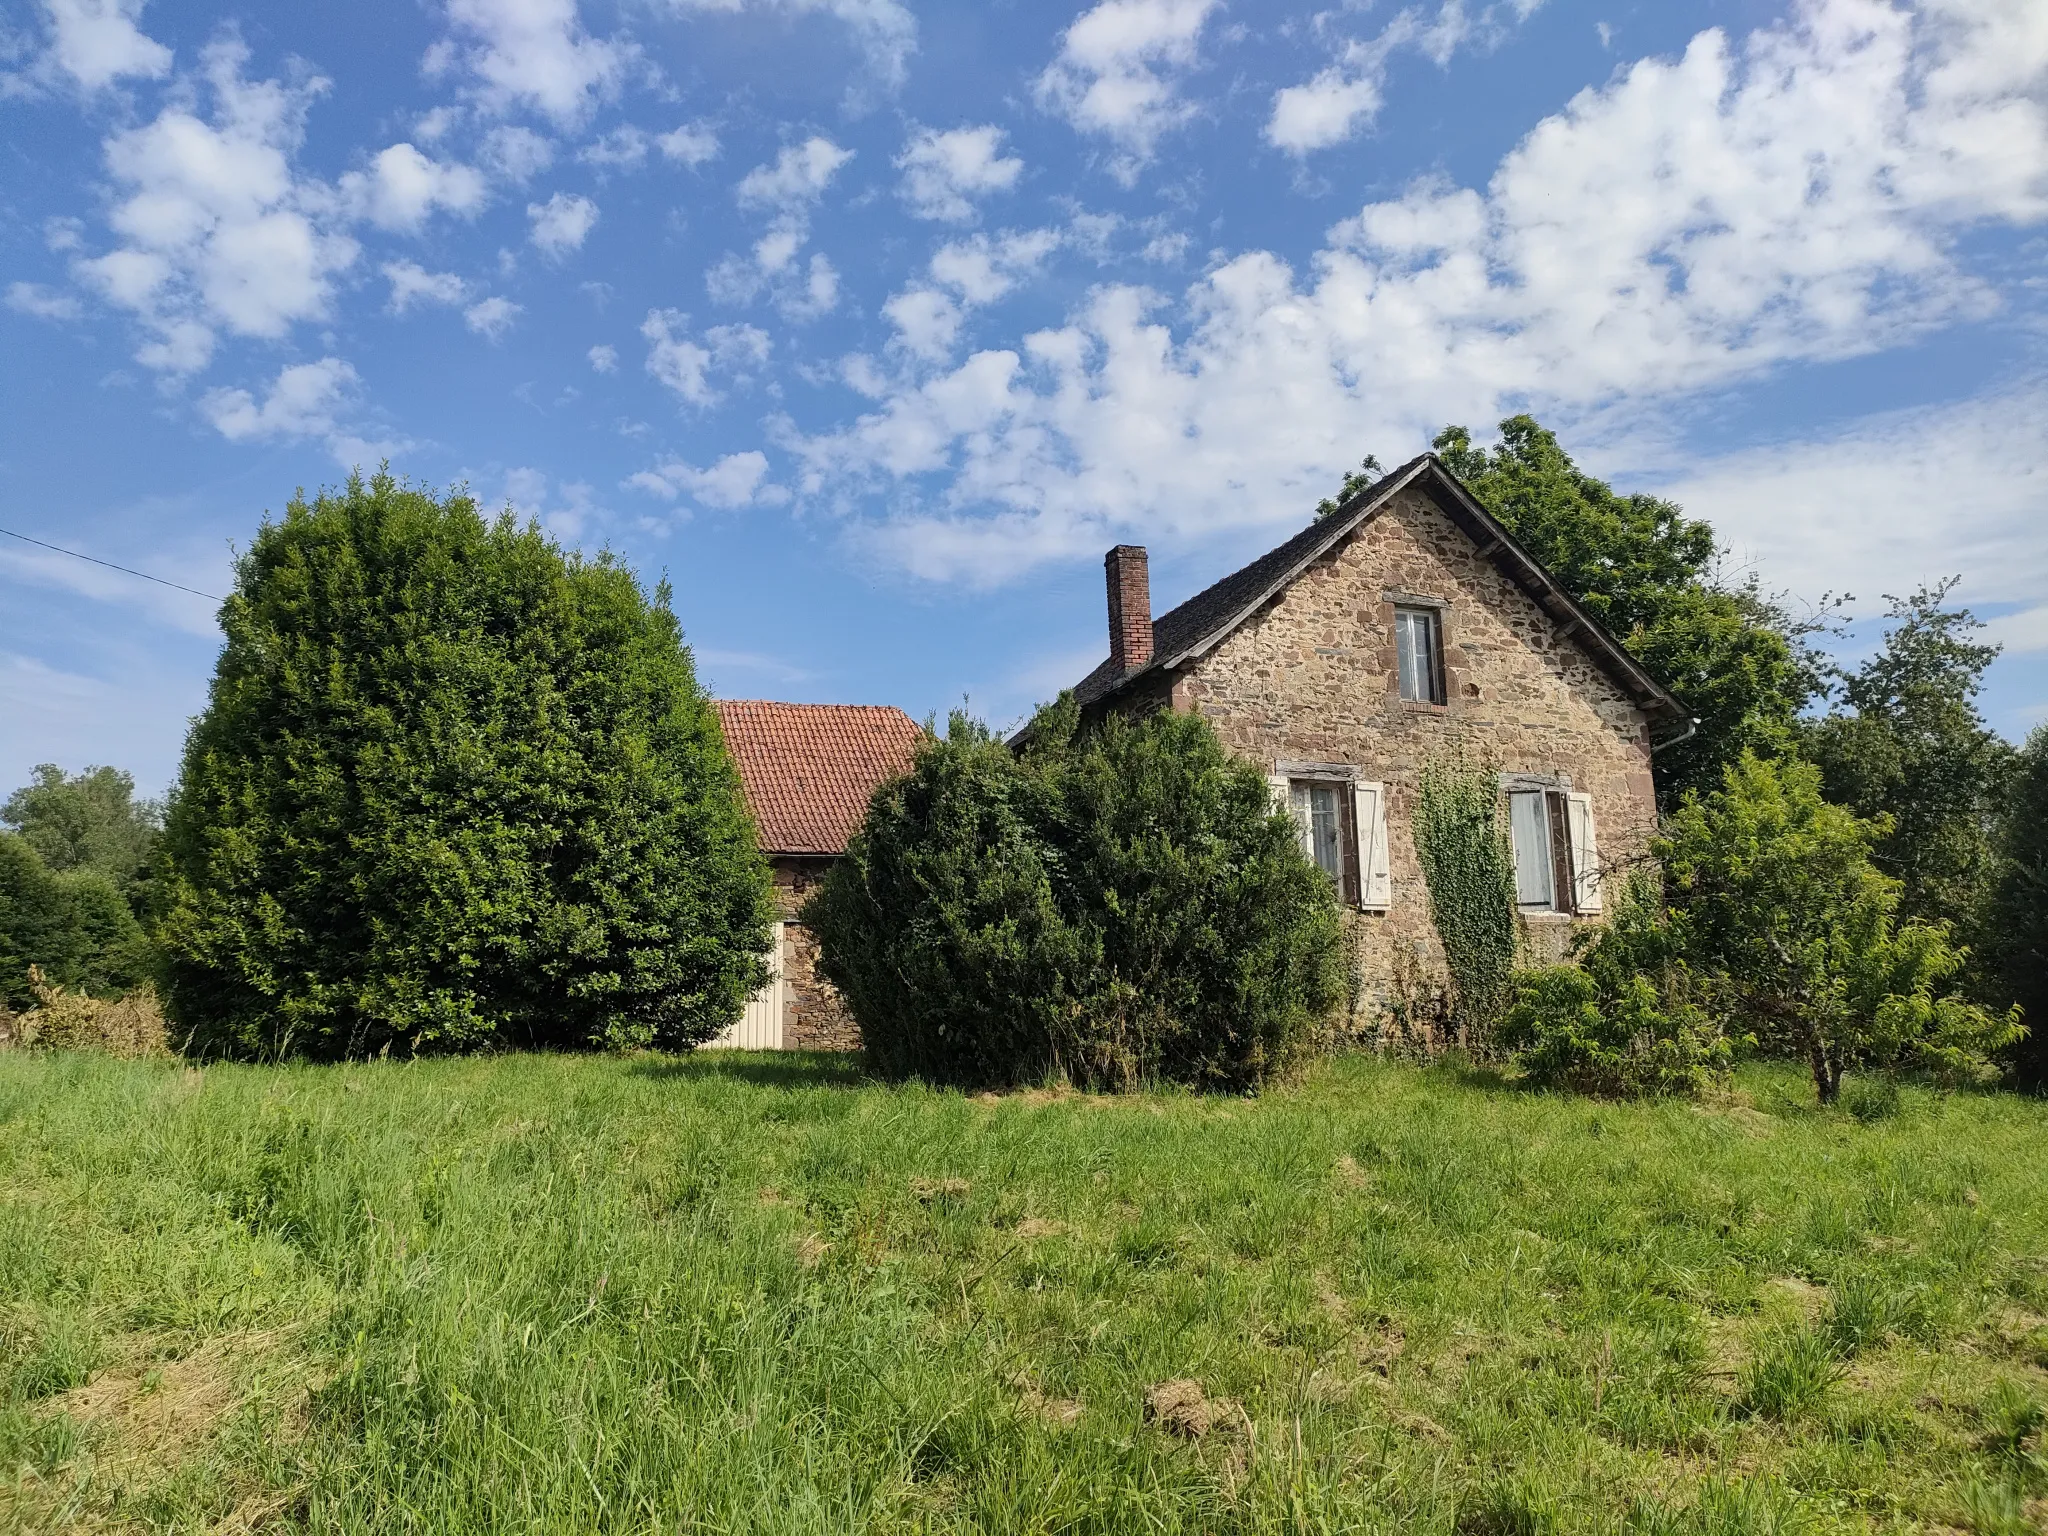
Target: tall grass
754, 1294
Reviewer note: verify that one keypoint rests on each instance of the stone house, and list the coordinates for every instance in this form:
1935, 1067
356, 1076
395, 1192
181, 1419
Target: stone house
1408, 626
808, 771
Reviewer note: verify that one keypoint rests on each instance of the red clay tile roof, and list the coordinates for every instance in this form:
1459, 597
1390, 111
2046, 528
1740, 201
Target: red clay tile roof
809, 769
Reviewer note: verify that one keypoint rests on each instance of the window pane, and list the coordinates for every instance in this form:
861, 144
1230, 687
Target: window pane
1326, 827
1415, 647
1529, 824
1404, 646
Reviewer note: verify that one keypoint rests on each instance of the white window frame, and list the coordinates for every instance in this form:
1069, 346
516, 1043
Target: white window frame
1428, 671
1366, 882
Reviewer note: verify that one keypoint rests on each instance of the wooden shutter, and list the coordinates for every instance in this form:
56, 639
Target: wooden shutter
1585, 853
1375, 869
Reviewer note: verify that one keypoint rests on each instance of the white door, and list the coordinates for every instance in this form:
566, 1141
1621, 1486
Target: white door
759, 1028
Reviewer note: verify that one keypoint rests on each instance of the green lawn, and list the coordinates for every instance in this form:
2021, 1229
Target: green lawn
757, 1294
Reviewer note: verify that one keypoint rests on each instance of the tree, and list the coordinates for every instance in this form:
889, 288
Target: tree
2015, 926
1777, 903
88, 820
1120, 905
1735, 660
76, 925
1908, 742
452, 788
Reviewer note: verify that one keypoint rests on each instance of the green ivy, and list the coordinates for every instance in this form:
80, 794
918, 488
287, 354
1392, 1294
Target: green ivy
1470, 868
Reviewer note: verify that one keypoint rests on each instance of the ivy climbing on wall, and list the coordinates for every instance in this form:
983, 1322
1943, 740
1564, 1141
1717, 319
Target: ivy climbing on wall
1470, 868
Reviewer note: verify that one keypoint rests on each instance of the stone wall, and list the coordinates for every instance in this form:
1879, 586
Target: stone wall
814, 1017
1311, 678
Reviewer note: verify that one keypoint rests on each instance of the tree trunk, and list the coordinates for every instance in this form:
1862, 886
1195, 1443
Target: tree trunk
1827, 1073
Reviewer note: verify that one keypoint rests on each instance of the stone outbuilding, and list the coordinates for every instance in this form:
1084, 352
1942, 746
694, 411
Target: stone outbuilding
1405, 627
808, 771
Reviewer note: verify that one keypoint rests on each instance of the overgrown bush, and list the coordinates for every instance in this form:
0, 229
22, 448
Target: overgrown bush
452, 788
1624, 1021
63, 1020
1778, 907
1469, 866
1116, 906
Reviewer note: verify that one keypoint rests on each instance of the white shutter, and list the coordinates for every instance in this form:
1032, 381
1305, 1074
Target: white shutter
1585, 853
1375, 868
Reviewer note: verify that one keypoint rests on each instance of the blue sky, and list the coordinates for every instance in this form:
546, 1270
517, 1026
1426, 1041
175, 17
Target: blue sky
873, 323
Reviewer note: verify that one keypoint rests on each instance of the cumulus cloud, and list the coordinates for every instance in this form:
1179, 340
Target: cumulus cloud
304, 400
798, 178
1345, 97
403, 188
533, 54
561, 224
737, 480
1789, 199
42, 302
516, 154
885, 30
686, 365
604, 359
93, 43
566, 510
491, 318
624, 148
413, 284
944, 173
215, 228
1119, 71
964, 275
693, 144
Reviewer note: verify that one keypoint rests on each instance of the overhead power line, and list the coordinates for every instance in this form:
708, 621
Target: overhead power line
124, 570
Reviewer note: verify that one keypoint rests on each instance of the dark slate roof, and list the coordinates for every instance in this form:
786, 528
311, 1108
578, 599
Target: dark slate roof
809, 769
1205, 619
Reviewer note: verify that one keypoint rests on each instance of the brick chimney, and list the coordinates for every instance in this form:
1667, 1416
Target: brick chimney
1130, 607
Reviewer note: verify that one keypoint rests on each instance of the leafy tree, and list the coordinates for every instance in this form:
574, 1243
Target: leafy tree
88, 820
1777, 901
453, 788
1908, 742
1733, 658
1122, 905
2015, 926
75, 924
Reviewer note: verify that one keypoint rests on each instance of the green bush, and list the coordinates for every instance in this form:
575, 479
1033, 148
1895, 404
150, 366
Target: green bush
1118, 906
1623, 1022
76, 925
453, 788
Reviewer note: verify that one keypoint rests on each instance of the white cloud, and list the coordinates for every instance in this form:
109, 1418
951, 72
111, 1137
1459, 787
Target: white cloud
1890, 501
693, 144
412, 284
1118, 73
304, 400
624, 148
798, 177
491, 317
943, 173
568, 511
737, 480
403, 187
885, 29
1790, 199
561, 224
97, 42
61, 232
982, 270
216, 229
516, 154
927, 322
534, 54
604, 359
686, 366
2022, 634
1347, 95
44, 303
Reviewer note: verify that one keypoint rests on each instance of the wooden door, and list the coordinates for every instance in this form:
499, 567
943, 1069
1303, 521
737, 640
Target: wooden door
759, 1026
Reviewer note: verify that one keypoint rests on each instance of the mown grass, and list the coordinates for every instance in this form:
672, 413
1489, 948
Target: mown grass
755, 1294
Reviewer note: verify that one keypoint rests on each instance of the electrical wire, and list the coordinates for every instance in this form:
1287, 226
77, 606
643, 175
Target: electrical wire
124, 570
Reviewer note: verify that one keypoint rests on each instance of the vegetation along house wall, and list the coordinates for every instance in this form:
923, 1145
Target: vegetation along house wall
1405, 627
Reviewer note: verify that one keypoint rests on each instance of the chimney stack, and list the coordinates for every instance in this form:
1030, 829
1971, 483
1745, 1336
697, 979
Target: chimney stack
1130, 607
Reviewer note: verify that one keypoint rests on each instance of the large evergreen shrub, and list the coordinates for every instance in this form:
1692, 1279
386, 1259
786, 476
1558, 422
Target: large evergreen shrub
453, 788
76, 925
1118, 906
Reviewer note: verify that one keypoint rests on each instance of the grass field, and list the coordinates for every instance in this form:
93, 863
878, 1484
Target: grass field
756, 1294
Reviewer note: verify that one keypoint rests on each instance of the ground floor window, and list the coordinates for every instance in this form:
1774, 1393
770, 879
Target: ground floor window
1322, 810
1557, 868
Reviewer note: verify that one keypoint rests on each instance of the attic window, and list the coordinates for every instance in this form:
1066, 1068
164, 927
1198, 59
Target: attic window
1419, 647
